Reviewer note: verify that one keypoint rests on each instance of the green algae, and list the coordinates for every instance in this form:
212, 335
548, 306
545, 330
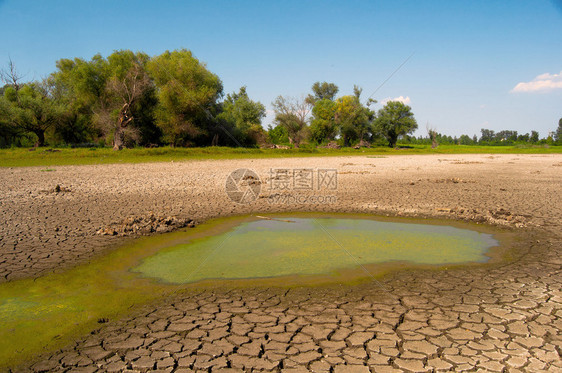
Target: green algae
41, 315
309, 246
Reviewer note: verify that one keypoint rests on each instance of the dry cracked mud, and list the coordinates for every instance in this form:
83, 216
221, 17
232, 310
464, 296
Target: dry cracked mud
505, 317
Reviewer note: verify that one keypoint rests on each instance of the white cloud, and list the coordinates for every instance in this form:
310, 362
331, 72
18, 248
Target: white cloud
406, 100
542, 83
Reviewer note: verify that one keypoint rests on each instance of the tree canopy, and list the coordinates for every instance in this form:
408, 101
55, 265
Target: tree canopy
30, 108
395, 119
323, 125
292, 113
558, 133
187, 97
322, 91
132, 99
244, 117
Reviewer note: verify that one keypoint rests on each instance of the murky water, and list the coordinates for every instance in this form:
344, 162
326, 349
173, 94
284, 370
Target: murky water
309, 246
48, 312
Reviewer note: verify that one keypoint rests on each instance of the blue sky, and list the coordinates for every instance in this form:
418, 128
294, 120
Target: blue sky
468, 56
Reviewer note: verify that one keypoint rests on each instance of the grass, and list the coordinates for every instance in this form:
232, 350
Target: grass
22, 157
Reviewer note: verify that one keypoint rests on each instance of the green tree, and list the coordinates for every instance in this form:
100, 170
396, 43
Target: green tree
506, 137
187, 97
353, 119
30, 108
79, 85
466, 140
357, 91
244, 116
323, 125
534, 137
292, 114
278, 134
523, 138
487, 136
322, 91
113, 97
558, 133
8, 132
395, 119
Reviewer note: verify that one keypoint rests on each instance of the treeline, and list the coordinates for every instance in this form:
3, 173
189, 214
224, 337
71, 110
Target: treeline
127, 99
131, 99
490, 137
321, 119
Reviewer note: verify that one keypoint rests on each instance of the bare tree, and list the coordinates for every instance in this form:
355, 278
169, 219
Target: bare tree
10, 76
432, 136
293, 114
117, 116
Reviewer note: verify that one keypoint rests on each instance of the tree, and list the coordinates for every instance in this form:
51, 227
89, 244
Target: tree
322, 91
353, 119
323, 125
244, 116
30, 108
292, 113
277, 134
357, 91
395, 119
432, 133
523, 138
111, 97
487, 135
558, 133
10, 76
534, 137
79, 86
8, 132
506, 136
466, 140
187, 97
126, 85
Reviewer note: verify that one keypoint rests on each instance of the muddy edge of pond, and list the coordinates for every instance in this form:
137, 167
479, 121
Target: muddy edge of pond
51, 231
499, 317
134, 252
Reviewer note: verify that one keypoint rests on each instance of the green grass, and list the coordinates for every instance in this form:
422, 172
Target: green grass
21, 157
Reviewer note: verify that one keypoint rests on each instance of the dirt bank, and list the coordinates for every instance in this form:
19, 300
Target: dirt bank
48, 228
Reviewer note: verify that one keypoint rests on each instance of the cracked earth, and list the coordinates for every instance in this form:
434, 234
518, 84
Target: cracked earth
505, 317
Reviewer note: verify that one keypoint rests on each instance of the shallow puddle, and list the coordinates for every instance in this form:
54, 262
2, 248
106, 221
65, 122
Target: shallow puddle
38, 315
310, 246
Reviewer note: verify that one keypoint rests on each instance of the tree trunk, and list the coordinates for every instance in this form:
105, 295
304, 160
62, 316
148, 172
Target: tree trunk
293, 141
122, 121
40, 138
215, 141
118, 139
